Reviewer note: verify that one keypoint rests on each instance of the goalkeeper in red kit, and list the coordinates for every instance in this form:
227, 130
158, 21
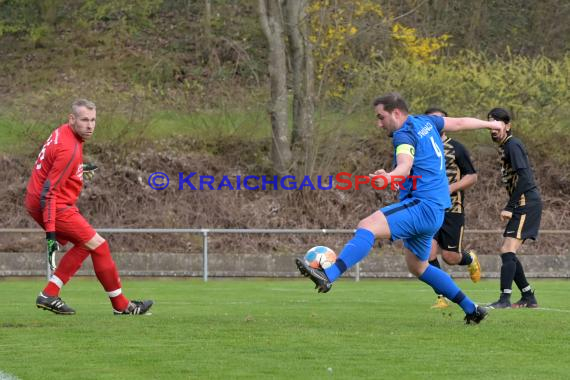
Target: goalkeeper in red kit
53, 189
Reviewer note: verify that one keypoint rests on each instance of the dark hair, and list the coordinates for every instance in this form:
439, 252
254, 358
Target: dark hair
391, 102
431, 110
500, 114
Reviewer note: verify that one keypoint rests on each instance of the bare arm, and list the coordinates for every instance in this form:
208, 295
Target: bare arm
402, 170
454, 124
403, 167
464, 183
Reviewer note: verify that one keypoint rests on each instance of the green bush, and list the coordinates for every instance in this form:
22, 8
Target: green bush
535, 90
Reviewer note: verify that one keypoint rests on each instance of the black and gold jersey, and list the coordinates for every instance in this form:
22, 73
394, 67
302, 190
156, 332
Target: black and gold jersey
457, 165
516, 173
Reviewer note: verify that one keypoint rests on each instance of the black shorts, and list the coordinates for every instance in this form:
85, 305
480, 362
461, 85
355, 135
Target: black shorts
525, 222
450, 235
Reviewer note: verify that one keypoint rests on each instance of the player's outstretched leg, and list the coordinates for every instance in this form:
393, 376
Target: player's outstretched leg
353, 252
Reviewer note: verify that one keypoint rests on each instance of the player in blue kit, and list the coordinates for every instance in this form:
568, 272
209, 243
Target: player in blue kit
418, 151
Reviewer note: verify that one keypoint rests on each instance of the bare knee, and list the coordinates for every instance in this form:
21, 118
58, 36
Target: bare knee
417, 272
511, 245
434, 250
416, 266
451, 258
95, 242
377, 224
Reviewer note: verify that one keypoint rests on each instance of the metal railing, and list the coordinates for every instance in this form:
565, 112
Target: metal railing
205, 232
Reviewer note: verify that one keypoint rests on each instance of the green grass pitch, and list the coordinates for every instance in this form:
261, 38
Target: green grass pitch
281, 329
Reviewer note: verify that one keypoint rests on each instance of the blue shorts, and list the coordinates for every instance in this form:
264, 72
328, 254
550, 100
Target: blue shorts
415, 222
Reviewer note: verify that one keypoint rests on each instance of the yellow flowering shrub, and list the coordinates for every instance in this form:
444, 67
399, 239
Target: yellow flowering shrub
423, 49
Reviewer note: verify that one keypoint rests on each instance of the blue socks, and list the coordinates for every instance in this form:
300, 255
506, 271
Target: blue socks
359, 246
354, 251
443, 284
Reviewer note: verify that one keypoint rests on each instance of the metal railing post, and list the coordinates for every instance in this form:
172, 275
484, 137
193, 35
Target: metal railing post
357, 277
48, 270
205, 254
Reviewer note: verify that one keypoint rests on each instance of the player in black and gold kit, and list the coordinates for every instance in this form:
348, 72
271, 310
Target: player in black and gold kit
448, 240
522, 212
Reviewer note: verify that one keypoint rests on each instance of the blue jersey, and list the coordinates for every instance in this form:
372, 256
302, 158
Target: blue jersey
422, 132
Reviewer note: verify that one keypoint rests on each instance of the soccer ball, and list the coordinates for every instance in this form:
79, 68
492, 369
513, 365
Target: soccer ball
320, 257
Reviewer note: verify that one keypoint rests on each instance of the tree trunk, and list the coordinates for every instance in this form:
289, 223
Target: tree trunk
475, 27
211, 54
208, 25
272, 24
302, 139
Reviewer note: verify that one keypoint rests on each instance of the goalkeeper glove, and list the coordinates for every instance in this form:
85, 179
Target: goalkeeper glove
89, 171
52, 248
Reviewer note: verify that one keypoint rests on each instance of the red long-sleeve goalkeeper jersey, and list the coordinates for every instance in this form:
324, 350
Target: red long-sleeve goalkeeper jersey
57, 176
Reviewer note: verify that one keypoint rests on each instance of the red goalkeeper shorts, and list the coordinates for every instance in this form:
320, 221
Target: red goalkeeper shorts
70, 225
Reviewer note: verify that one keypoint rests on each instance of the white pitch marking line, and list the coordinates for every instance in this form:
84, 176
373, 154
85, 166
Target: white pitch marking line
549, 309
7, 376
531, 308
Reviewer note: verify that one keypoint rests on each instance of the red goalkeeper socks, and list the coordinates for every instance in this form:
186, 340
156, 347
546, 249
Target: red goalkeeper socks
108, 276
67, 267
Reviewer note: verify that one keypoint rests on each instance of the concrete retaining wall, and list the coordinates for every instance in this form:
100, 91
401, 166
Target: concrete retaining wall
257, 265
